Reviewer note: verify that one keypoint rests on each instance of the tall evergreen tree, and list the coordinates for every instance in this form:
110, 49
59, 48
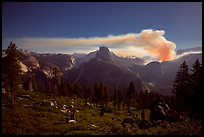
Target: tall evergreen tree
12, 69
34, 84
181, 87
77, 90
130, 92
196, 88
144, 105
103, 98
63, 87
114, 98
87, 91
196, 75
56, 80
70, 89
96, 94
123, 95
101, 93
119, 98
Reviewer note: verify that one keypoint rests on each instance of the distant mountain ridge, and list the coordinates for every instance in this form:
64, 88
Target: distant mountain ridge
104, 66
196, 49
161, 75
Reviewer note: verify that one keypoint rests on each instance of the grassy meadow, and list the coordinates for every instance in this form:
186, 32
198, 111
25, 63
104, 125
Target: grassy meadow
27, 117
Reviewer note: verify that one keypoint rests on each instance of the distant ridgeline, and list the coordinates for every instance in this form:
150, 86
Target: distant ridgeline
98, 66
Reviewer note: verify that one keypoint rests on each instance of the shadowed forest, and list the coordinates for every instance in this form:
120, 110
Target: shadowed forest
73, 109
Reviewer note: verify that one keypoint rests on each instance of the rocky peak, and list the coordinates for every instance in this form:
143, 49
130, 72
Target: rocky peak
104, 53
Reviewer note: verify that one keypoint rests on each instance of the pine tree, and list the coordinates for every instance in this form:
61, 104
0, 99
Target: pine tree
103, 98
114, 98
130, 92
34, 84
56, 80
77, 90
181, 87
144, 105
12, 69
70, 89
119, 99
87, 91
196, 88
63, 87
101, 92
196, 75
123, 94
96, 95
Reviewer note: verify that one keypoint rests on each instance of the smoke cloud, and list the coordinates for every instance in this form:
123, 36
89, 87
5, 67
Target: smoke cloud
156, 44
151, 42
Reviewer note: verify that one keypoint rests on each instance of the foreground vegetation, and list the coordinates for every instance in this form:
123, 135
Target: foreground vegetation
28, 117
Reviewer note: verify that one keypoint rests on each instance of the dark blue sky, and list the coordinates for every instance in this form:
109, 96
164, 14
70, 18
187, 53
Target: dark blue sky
182, 22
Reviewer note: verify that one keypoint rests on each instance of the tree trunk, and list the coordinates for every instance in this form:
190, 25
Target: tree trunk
143, 115
85, 102
128, 105
11, 87
123, 105
102, 111
73, 115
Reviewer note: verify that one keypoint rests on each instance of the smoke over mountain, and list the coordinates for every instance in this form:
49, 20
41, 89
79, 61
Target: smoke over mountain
151, 42
156, 44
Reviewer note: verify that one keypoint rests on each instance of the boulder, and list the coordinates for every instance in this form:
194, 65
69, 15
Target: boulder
3, 91
46, 103
26, 96
160, 111
128, 121
72, 121
173, 116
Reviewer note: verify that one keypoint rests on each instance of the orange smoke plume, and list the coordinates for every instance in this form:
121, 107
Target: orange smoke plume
151, 42
155, 43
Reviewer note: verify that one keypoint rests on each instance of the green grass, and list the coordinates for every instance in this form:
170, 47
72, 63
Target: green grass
35, 120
